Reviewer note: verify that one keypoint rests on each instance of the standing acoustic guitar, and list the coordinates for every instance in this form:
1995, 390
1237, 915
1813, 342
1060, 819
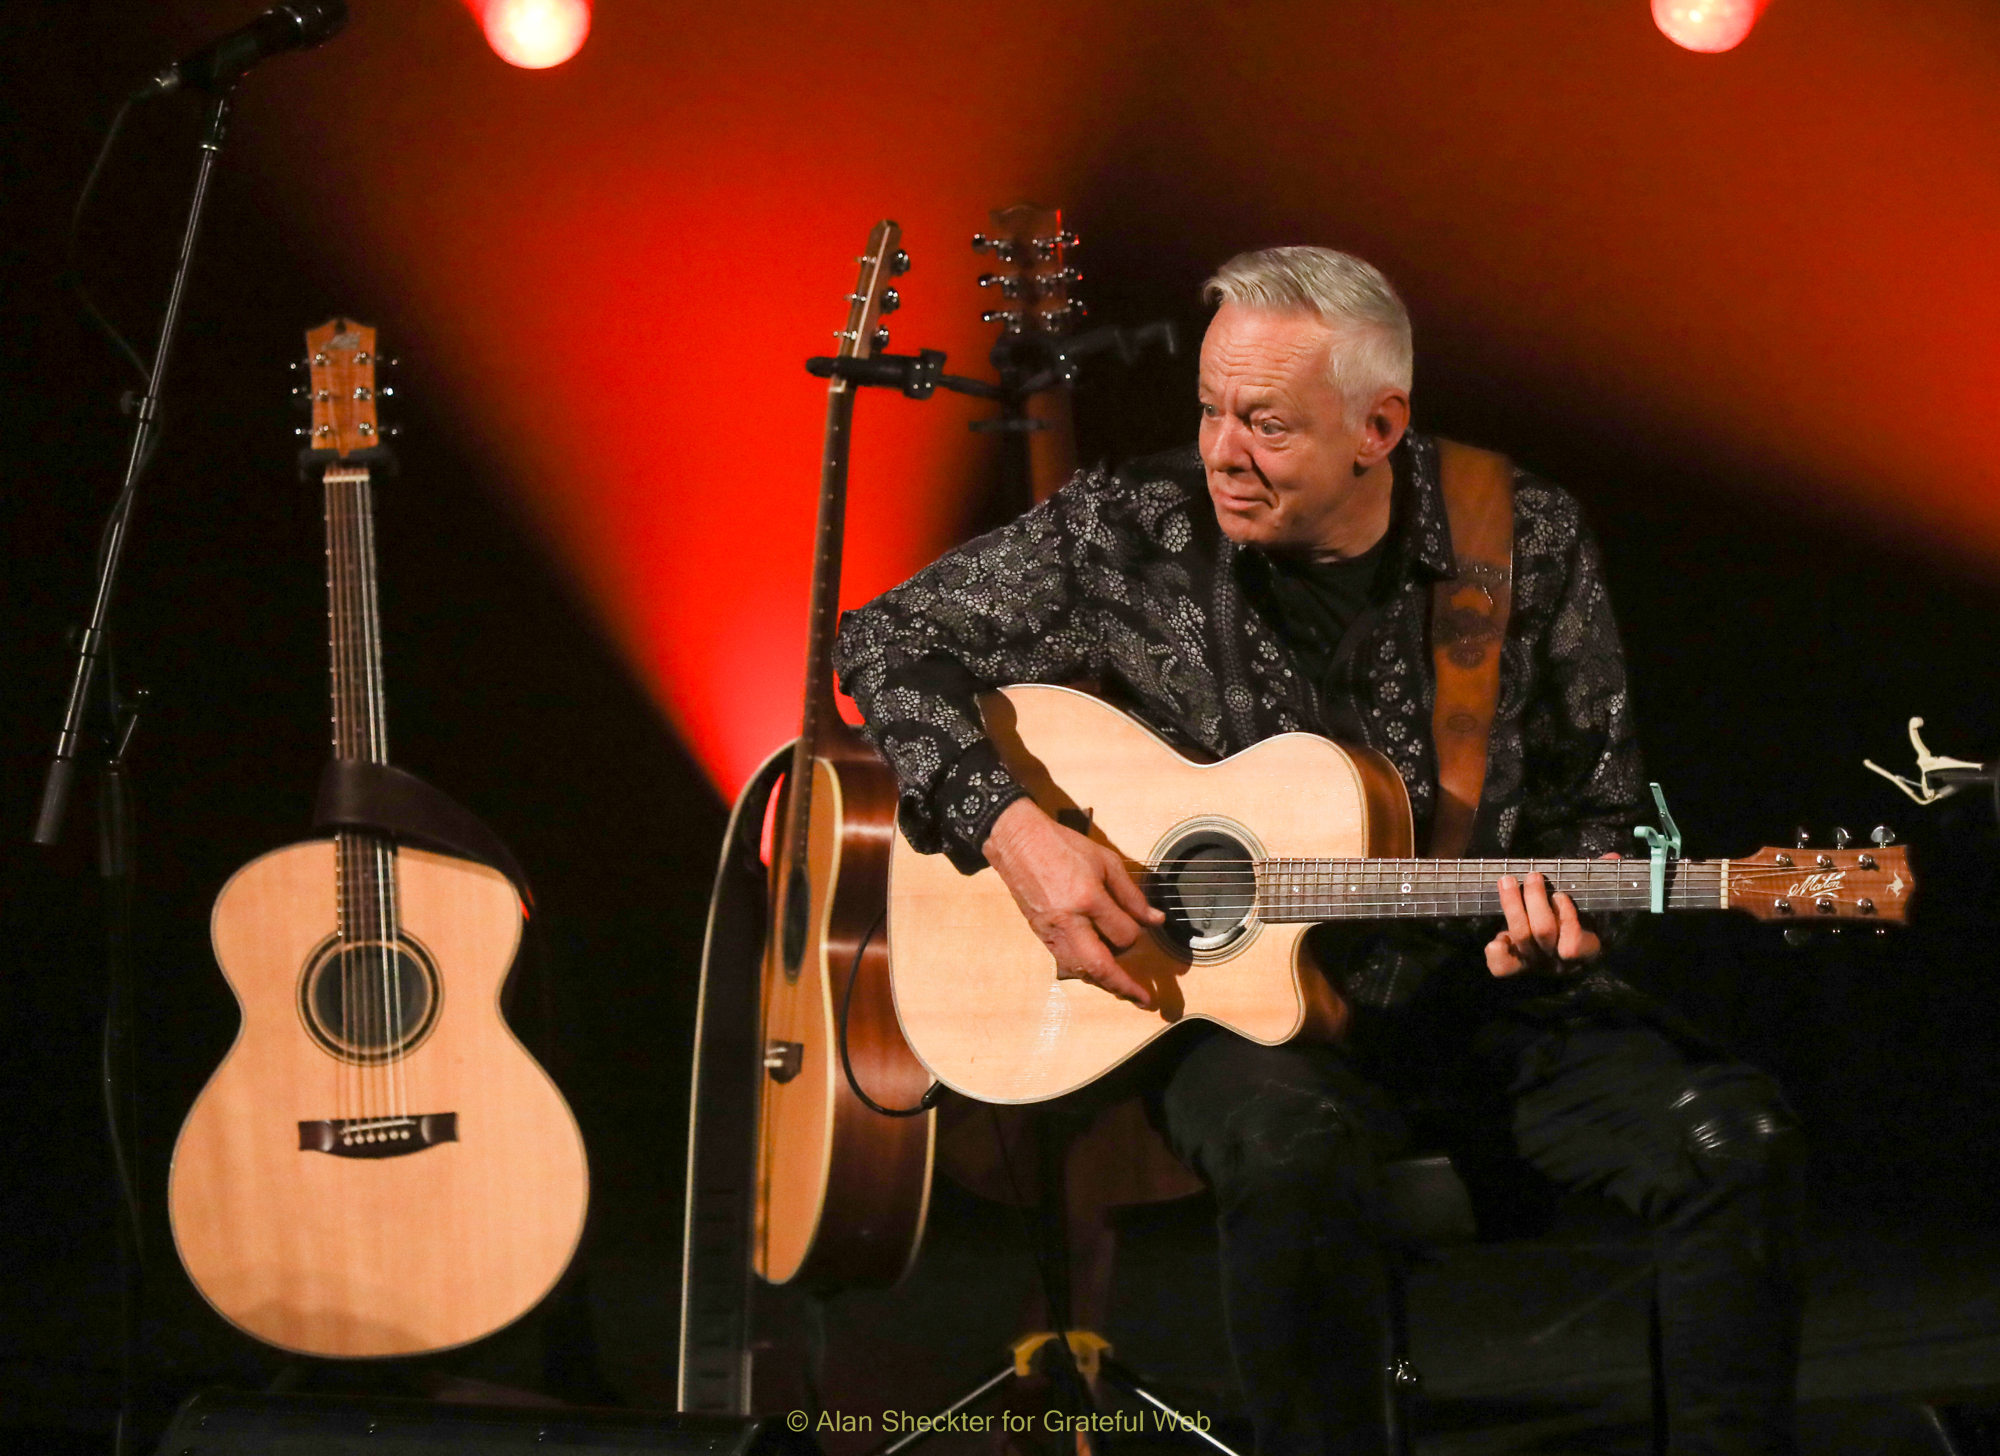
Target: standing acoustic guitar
378, 1167
841, 1189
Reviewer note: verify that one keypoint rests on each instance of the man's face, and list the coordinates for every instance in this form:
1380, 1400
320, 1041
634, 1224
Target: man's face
1275, 442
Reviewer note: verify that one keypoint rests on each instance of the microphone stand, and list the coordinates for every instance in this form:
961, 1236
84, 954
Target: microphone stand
96, 730
93, 649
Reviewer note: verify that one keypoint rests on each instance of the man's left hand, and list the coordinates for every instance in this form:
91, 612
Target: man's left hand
1543, 932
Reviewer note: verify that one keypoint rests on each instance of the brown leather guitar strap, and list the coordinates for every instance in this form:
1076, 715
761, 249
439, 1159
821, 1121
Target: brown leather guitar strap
1468, 624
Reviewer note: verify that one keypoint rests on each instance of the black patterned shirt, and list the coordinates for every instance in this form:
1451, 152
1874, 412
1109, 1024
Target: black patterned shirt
1126, 581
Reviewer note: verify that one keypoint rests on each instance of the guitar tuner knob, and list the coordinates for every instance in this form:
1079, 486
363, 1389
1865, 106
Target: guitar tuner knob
881, 339
296, 365
1824, 861
363, 357
900, 264
891, 300
386, 361
363, 392
386, 391
1800, 839
303, 431
1823, 905
1841, 839
319, 359
1883, 836
1796, 936
392, 431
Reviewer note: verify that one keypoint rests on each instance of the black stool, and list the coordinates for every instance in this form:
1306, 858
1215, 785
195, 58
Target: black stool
1432, 1208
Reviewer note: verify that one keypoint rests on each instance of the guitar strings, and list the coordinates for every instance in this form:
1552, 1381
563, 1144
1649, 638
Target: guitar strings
346, 850
372, 991
385, 853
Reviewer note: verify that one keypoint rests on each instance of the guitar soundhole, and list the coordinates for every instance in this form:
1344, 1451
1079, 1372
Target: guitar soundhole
368, 1001
1207, 884
798, 904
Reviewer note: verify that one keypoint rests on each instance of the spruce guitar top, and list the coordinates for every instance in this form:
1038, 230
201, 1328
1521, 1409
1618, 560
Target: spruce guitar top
378, 1167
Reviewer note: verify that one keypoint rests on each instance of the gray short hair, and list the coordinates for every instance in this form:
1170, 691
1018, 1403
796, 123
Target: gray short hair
1371, 348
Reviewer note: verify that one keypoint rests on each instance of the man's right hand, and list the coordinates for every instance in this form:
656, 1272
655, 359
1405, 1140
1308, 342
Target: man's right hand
1076, 895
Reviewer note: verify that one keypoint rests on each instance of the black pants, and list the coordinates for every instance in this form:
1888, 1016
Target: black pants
1290, 1138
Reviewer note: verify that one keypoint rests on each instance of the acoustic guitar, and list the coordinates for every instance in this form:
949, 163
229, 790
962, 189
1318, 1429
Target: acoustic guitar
1242, 855
378, 1167
842, 1190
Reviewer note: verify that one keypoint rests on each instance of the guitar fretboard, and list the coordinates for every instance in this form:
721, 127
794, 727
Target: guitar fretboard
1343, 889
367, 874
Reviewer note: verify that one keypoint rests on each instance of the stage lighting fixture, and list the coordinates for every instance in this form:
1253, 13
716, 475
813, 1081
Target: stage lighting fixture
1707, 25
535, 34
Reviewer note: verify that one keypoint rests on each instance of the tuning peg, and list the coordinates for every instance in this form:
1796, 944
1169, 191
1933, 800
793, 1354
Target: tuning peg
304, 432
881, 339
1841, 839
891, 300
296, 365
1008, 318
1801, 839
1883, 835
385, 391
900, 264
392, 431
1796, 936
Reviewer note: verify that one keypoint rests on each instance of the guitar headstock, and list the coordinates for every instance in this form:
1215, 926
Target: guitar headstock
341, 362
1034, 278
1808, 886
873, 298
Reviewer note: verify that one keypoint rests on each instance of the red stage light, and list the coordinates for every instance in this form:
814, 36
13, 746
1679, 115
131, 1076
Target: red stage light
1707, 25
536, 34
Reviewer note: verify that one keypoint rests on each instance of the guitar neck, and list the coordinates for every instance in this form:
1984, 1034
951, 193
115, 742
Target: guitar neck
366, 862
871, 298
354, 622
1298, 890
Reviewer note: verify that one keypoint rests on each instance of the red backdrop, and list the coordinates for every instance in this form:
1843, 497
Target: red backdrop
1777, 265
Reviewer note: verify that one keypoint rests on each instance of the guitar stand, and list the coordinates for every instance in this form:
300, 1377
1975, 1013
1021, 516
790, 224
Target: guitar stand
1075, 1361
1081, 1356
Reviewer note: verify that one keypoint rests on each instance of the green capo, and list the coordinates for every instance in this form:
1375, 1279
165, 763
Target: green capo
1665, 846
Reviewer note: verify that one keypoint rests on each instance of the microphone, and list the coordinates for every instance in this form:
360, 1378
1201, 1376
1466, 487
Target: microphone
292, 26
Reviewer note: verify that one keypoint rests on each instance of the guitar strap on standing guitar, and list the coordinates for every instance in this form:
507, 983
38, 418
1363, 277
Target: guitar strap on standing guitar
384, 799
1468, 624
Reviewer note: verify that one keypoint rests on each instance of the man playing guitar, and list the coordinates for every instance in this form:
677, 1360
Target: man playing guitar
1280, 578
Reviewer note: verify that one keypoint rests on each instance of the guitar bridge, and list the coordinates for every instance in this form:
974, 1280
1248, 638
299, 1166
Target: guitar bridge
378, 1137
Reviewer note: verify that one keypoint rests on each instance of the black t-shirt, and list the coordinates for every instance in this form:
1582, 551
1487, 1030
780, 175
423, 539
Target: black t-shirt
1315, 605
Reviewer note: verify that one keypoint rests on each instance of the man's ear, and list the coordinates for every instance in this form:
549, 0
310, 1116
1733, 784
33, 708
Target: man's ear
1383, 427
